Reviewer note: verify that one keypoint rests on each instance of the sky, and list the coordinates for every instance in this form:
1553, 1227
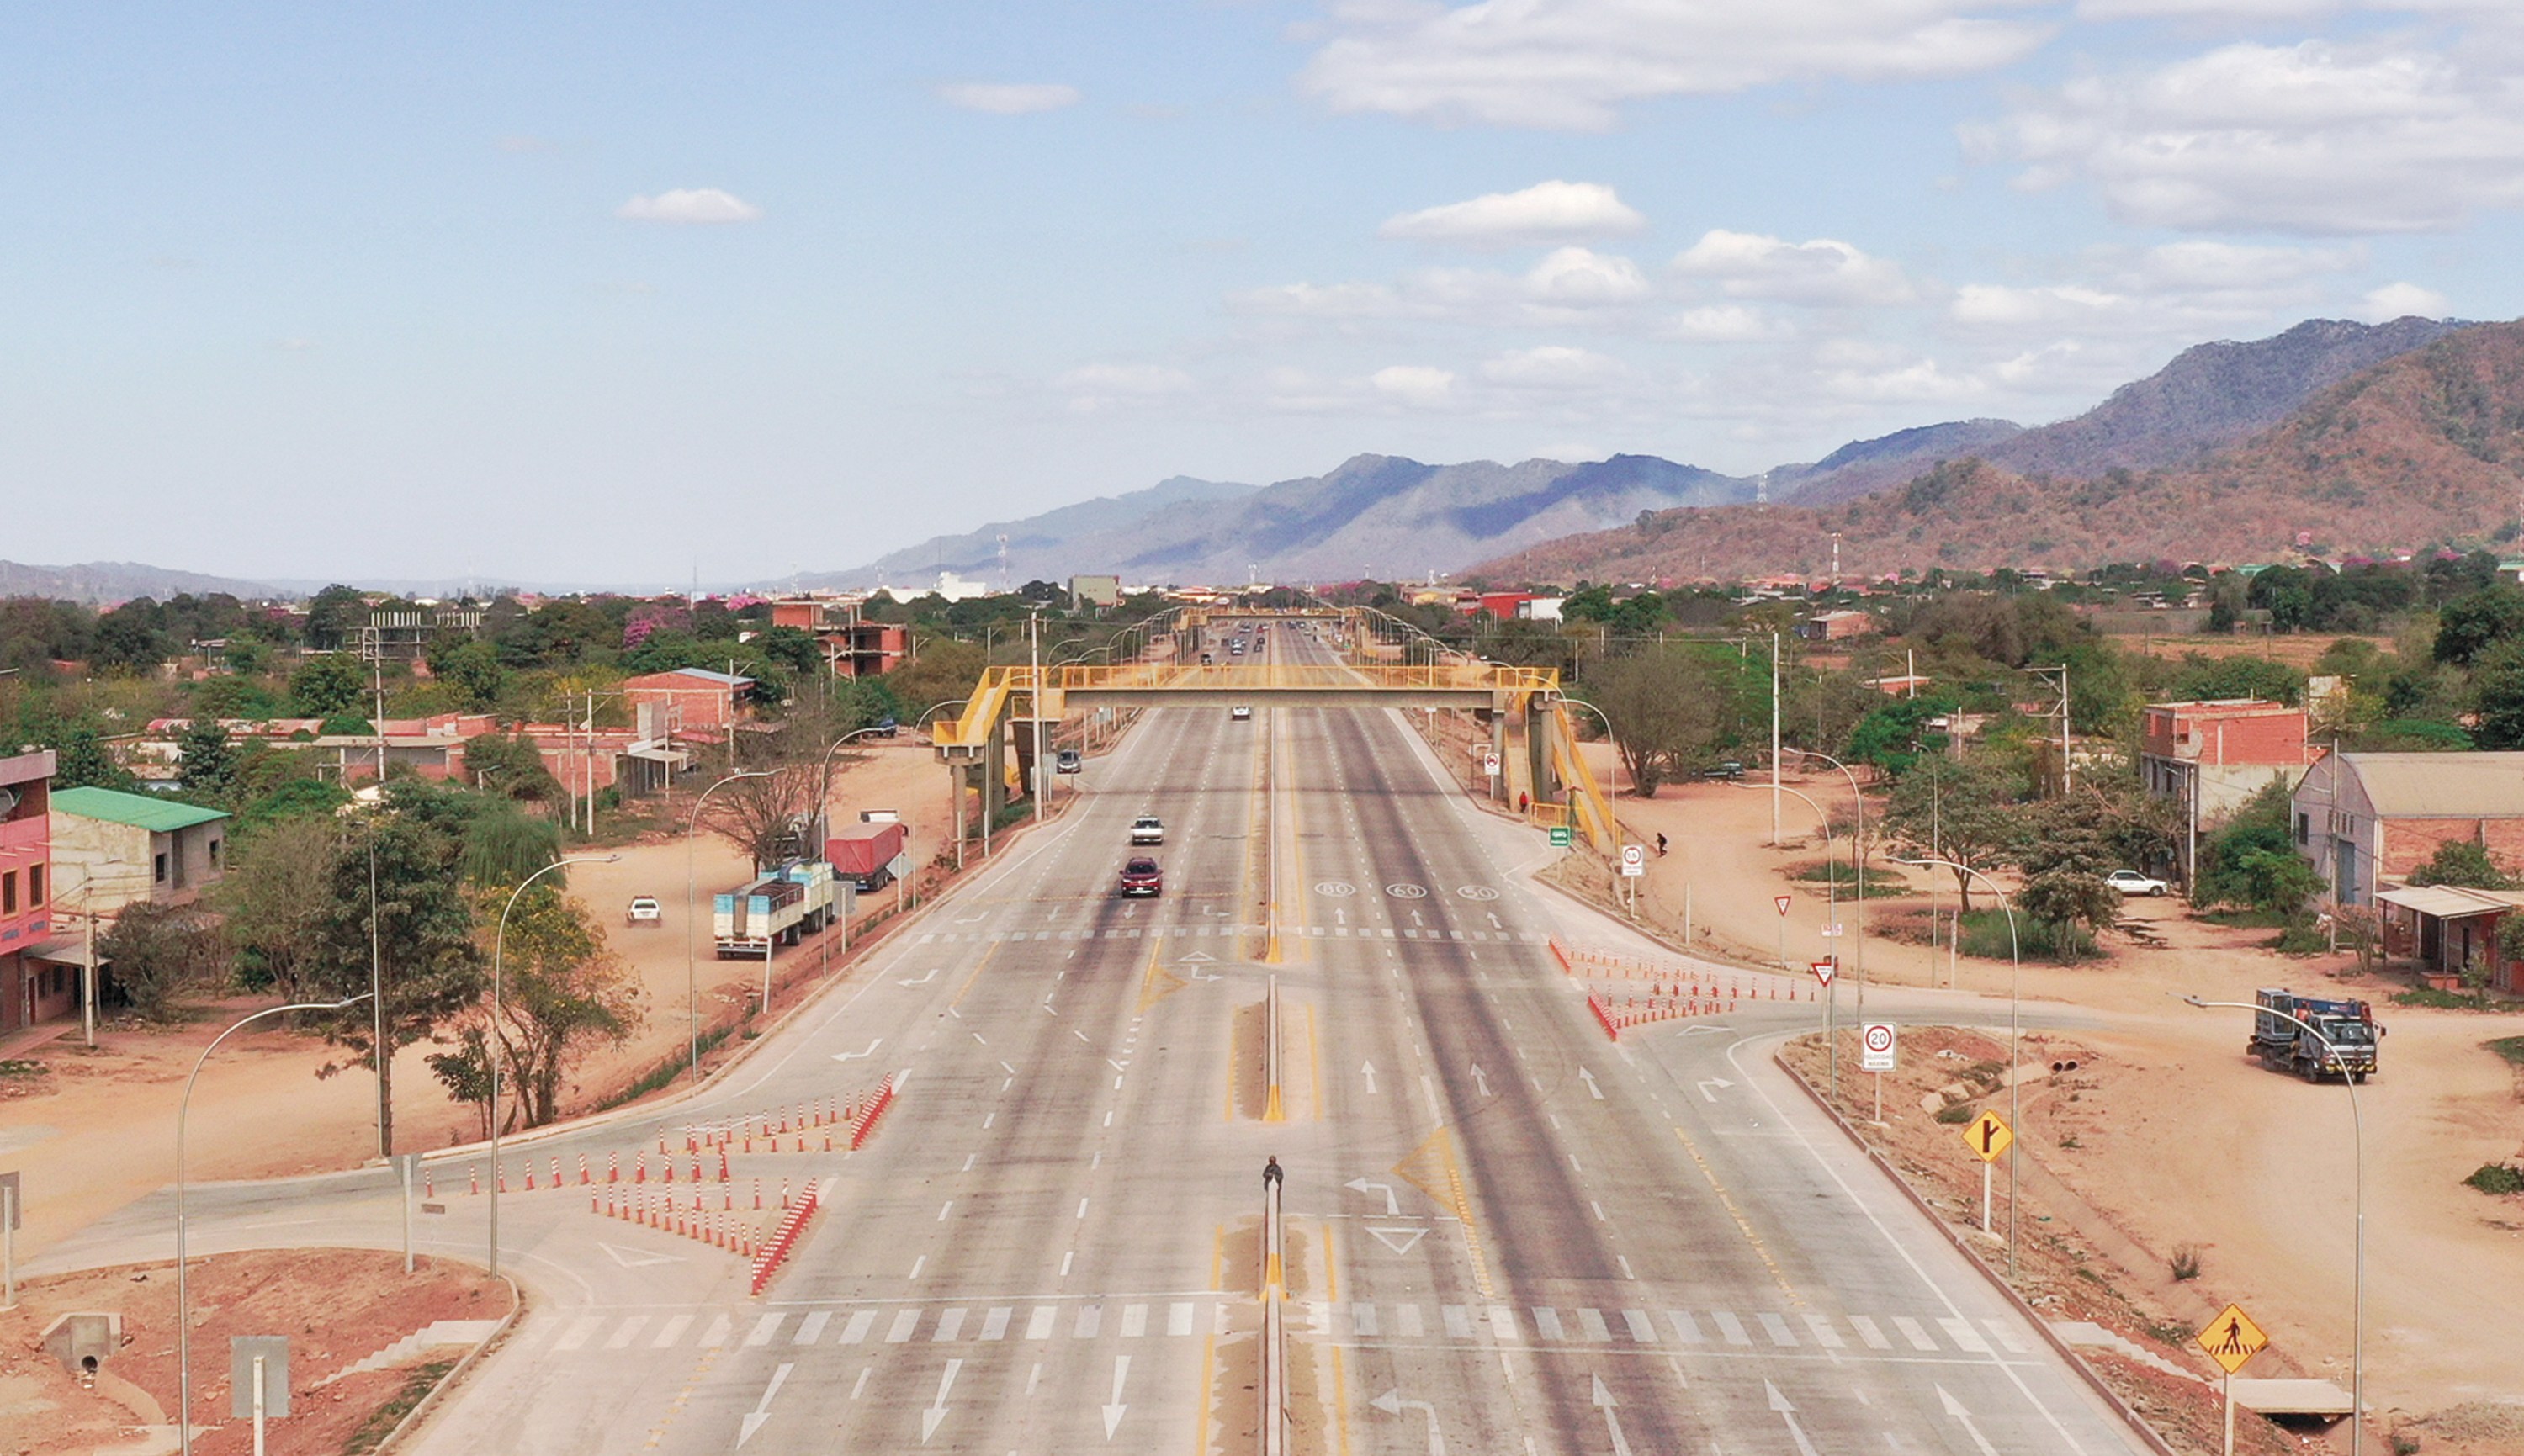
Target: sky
630, 293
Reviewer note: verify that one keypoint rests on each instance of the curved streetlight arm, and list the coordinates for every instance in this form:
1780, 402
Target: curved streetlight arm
692, 991
2358, 1179
1609, 737
2014, 1037
1858, 861
183, 1289
491, 1044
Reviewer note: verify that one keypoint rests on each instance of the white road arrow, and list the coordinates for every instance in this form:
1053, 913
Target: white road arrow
1605, 1402
632, 1258
1954, 1408
922, 980
936, 1411
852, 1057
1589, 1079
1709, 1082
1788, 1412
1494, 922
1416, 920
1114, 1408
1481, 1079
1392, 1404
1340, 916
762, 1411
1393, 1209
1368, 1070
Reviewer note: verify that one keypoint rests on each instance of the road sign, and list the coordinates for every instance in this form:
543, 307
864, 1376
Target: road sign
243, 1351
1876, 1044
13, 1203
1782, 902
1825, 970
2232, 1338
1560, 835
1634, 861
1490, 764
1989, 1136
1831, 930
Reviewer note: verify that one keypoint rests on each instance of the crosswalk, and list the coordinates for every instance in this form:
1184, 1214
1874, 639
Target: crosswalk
1341, 1322
1191, 930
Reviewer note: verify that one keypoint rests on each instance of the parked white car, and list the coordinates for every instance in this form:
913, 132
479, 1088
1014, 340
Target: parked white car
2131, 882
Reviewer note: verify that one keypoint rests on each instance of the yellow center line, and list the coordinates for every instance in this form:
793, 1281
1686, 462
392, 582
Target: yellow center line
988, 951
1741, 1225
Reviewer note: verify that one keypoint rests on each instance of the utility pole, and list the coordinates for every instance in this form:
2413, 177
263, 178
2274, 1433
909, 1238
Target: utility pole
1774, 731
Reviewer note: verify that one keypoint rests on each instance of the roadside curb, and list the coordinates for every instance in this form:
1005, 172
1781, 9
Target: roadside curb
428, 1404
2112, 1398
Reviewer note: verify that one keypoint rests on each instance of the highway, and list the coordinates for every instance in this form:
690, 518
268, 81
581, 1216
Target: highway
1507, 1234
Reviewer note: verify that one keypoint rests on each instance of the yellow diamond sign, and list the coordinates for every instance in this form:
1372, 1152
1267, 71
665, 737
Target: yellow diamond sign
1989, 1136
2232, 1338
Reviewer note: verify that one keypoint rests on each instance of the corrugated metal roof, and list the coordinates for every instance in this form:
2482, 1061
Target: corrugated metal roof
157, 815
2442, 785
2449, 901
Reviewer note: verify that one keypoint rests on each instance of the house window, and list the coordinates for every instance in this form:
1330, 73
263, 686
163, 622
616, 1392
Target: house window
158, 868
8, 893
34, 886
2304, 830
214, 852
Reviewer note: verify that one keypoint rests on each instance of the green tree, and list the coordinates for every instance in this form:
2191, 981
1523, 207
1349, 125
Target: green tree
159, 952
2280, 880
473, 668
334, 617
328, 684
501, 847
2260, 827
1893, 736
1664, 712
1963, 812
2497, 696
208, 761
2471, 625
511, 767
2070, 899
274, 897
416, 929
2465, 863
561, 993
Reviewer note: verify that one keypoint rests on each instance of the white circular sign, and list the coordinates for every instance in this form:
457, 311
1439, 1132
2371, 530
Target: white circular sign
1879, 1038
1407, 891
1334, 886
1476, 892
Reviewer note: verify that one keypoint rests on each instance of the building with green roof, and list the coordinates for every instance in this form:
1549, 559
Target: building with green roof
111, 850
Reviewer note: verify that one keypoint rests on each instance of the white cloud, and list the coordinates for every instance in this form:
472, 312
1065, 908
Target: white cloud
1570, 64
1821, 272
1544, 212
1919, 382
1575, 276
1719, 324
1419, 385
688, 204
2204, 267
1568, 286
1092, 387
2394, 299
1552, 367
2064, 305
2314, 137
1008, 100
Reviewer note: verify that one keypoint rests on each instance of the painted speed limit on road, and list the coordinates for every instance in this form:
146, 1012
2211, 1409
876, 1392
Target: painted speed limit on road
1877, 1041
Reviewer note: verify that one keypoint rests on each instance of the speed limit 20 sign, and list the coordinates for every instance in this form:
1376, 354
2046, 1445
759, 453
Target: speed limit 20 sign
1877, 1041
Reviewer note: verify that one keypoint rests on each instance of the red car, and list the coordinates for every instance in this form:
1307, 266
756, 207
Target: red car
1141, 877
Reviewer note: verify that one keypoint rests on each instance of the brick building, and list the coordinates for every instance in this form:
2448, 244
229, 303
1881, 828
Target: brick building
28, 993
696, 699
2367, 820
2212, 755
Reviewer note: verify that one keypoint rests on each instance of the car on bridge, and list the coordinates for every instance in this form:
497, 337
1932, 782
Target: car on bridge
1142, 877
1240, 712
1147, 829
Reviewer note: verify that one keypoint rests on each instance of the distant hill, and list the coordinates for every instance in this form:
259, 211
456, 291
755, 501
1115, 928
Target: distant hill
2211, 396
94, 582
1375, 514
2426, 448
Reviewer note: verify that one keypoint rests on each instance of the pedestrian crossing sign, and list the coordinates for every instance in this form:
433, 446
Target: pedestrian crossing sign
2232, 1338
1989, 1136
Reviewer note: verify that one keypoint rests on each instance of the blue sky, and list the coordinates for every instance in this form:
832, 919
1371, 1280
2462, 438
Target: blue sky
617, 293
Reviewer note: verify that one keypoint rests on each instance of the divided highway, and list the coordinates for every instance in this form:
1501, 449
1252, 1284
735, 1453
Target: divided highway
1505, 1233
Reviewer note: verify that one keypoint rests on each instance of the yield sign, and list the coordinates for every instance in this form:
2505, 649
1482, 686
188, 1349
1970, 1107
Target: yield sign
1400, 1240
1825, 970
1782, 902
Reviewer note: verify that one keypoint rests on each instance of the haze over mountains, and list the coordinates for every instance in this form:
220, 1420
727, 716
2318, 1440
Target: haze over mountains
2423, 449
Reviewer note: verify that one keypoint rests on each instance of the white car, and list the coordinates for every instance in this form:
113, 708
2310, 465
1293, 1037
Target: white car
2131, 882
1147, 829
644, 912
1240, 712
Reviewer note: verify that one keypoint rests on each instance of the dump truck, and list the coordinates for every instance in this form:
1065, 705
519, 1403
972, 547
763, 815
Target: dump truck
2347, 1025
776, 908
865, 853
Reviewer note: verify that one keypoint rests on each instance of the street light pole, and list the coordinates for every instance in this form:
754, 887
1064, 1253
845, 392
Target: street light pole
2357, 1183
1612, 801
1831, 920
692, 977
1858, 862
491, 1044
183, 1289
2015, 1033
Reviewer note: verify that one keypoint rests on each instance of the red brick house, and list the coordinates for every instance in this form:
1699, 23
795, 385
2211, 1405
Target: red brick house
2367, 820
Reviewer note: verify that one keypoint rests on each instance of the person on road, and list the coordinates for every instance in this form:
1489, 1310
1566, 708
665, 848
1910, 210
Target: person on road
1660, 847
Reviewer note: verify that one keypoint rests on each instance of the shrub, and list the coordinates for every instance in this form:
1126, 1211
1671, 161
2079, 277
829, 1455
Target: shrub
1956, 1115
2185, 1263
2496, 1179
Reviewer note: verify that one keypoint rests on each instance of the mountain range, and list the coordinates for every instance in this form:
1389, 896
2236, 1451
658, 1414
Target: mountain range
2425, 448
121, 581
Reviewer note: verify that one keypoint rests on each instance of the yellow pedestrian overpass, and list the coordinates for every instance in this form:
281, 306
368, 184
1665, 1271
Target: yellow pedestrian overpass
1530, 733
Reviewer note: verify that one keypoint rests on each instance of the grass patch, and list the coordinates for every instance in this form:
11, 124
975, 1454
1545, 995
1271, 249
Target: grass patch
2496, 1179
1956, 1115
1985, 937
2185, 1263
2246, 919
2509, 1048
1837, 873
2444, 1000
380, 1424
24, 1068
664, 1072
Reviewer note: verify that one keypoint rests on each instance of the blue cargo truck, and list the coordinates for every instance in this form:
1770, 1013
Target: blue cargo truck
2349, 1026
794, 901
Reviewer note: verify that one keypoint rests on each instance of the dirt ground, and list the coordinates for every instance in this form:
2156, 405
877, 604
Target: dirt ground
93, 1131
336, 1306
2202, 1146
